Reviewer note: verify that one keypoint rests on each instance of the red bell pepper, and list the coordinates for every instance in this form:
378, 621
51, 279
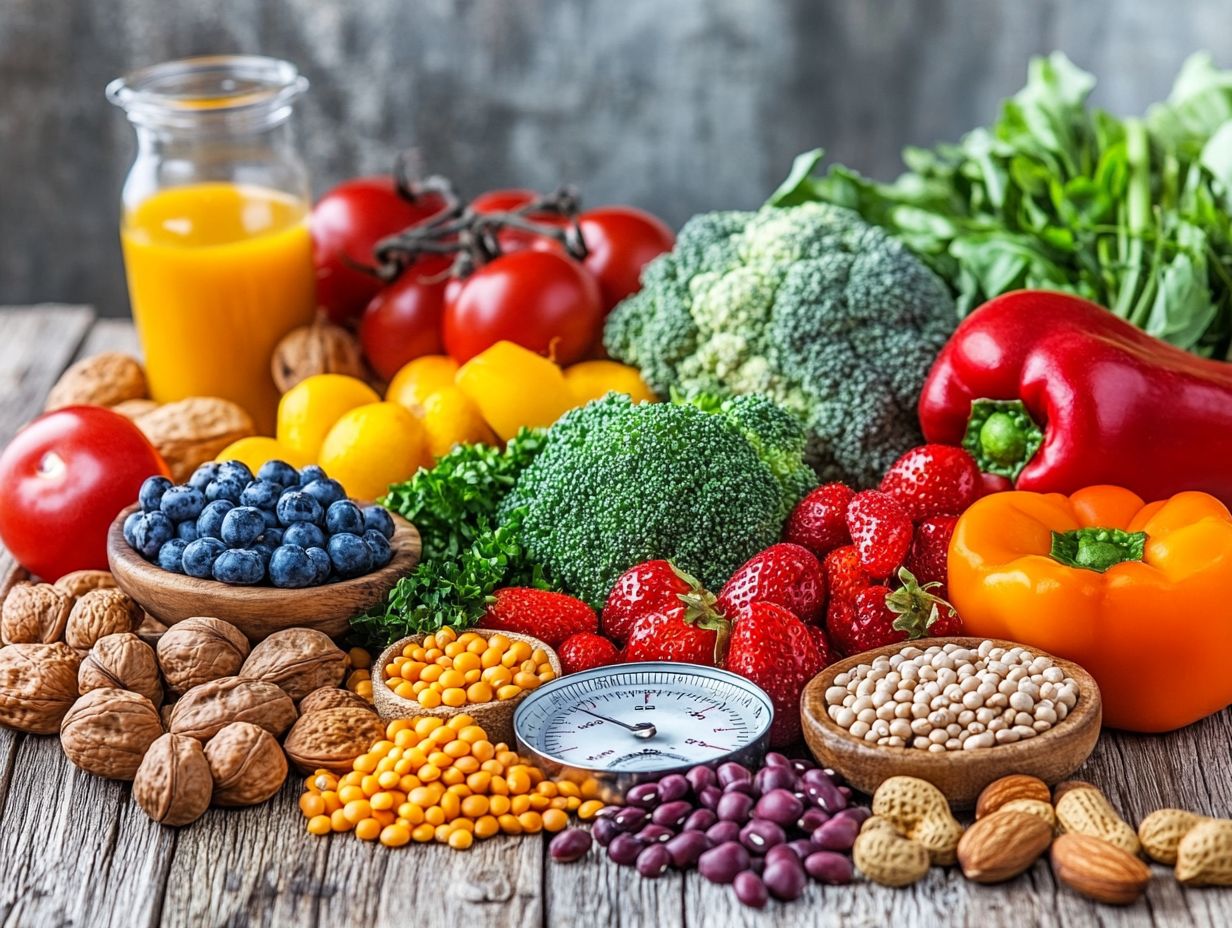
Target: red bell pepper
1056, 393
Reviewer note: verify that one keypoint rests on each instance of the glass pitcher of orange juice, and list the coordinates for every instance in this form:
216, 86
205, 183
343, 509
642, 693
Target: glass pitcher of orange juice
215, 225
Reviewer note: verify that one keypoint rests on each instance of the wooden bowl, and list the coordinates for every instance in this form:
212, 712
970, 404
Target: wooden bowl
495, 718
961, 775
257, 611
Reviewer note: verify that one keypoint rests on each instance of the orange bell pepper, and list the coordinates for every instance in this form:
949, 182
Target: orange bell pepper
1136, 593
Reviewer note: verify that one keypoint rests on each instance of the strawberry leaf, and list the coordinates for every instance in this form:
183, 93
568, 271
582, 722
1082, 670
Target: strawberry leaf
917, 609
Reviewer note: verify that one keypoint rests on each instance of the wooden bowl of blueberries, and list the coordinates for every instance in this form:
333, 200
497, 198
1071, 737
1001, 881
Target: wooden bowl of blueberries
278, 549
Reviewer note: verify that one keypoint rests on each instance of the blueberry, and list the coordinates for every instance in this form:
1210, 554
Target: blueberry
304, 534
199, 557
279, 472
236, 470
272, 536
203, 475
320, 560
242, 526
378, 518
264, 551
297, 506
269, 518
291, 567
325, 491
349, 554
263, 494
310, 473
182, 503
151, 532
228, 488
170, 555
187, 531
344, 516
151, 492
239, 567
130, 524
209, 523
379, 546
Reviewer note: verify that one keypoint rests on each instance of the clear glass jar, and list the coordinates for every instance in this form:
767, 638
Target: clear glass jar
215, 225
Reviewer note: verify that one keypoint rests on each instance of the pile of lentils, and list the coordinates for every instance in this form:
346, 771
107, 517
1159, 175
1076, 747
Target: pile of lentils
765, 832
950, 698
292, 528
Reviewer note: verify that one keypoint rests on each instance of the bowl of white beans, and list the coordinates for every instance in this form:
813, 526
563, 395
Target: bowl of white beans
958, 712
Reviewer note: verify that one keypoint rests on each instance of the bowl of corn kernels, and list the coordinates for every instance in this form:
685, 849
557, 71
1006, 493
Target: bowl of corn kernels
480, 672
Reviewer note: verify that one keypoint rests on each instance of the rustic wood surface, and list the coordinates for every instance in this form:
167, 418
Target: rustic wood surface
76, 851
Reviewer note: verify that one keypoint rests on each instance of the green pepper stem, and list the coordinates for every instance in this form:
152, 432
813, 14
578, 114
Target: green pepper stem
1097, 549
1002, 436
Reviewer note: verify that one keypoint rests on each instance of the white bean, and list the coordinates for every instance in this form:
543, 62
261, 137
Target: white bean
1021, 701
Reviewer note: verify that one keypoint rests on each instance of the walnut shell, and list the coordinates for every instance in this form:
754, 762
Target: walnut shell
247, 764
333, 697
332, 738
124, 662
34, 613
38, 684
299, 660
173, 784
108, 731
199, 650
206, 709
101, 380
99, 613
80, 582
191, 431
320, 348
131, 409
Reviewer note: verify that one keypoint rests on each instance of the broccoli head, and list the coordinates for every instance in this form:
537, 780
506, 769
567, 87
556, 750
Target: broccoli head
706, 485
831, 317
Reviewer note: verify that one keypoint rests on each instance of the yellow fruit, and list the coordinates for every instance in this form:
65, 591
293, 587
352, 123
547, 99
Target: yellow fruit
514, 387
589, 380
257, 449
419, 379
371, 447
309, 410
450, 418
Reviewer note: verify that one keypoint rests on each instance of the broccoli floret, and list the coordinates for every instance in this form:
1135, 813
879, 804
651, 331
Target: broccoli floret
831, 317
617, 483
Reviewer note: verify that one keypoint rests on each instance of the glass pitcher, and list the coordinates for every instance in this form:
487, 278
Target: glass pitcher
215, 225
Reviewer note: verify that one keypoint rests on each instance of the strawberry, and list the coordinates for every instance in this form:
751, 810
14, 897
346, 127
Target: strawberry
549, 616
845, 578
819, 521
881, 531
884, 616
933, 480
872, 622
818, 634
585, 651
929, 553
679, 633
650, 587
774, 649
786, 573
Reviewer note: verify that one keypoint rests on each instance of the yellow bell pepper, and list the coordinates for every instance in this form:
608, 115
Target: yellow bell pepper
1136, 593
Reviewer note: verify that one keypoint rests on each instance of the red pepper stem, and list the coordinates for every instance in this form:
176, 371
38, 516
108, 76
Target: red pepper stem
1097, 549
1002, 436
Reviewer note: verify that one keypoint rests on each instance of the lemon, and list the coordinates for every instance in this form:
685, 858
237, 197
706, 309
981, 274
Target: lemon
257, 449
309, 410
419, 379
372, 446
450, 418
589, 380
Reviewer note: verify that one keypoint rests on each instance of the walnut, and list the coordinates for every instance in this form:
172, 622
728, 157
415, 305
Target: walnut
204, 710
99, 613
333, 697
192, 431
199, 650
332, 738
38, 683
131, 409
173, 784
247, 764
34, 613
102, 380
80, 582
299, 660
108, 731
124, 662
320, 348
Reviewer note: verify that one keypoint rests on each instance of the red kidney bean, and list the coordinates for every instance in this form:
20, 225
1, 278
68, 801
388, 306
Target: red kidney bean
672, 814
829, 867
838, 834
802, 764
631, 819
608, 811
700, 820
741, 786
624, 849
731, 772
735, 807
858, 814
779, 850
709, 796
845, 791
775, 759
769, 778
824, 794
686, 847
604, 830
802, 847
779, 806
655, 834
721, 864
672, 787
701, 777
785, 879
722, 832
653, 861
757, 864
812, 818
761, 834
644, 796
570, 845
750, 890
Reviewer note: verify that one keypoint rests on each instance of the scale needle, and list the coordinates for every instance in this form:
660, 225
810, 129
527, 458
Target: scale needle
640, 729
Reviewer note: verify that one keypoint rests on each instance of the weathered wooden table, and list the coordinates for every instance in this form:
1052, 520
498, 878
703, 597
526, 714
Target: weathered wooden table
75, 850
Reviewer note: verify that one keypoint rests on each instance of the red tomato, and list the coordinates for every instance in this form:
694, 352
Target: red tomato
621, 240
403, 321
537, 299
346, 224
507, 201
503, 201
63, 480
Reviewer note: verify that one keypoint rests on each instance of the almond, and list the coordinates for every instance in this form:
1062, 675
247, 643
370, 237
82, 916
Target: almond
1011, 788
1002, 845
1161, 833
1098, 870
1204, 856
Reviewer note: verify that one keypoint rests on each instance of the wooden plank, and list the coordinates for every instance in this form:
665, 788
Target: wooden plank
595, 891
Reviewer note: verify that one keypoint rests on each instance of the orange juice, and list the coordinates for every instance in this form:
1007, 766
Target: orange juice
217, 274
